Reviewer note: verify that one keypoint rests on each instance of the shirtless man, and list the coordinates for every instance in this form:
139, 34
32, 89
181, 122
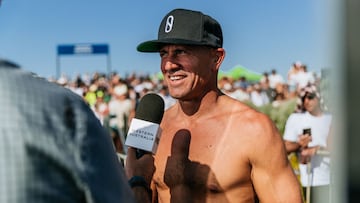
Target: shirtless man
212, 148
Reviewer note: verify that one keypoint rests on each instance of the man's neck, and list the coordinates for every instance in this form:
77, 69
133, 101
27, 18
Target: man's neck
199, 106
316, 113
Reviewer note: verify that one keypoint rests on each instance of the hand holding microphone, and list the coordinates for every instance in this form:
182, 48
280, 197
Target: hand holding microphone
144, 131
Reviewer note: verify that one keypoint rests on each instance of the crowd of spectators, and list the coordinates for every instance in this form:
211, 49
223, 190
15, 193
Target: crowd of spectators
114, 97
272, 87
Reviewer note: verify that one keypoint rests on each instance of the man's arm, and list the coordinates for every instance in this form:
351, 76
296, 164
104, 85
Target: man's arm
291, 146
291, 135
272, 175
302, 143
140, 172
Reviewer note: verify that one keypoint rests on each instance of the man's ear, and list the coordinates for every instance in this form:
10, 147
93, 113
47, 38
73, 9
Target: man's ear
220, 55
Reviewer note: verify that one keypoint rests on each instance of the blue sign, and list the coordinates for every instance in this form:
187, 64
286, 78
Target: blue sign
82, 49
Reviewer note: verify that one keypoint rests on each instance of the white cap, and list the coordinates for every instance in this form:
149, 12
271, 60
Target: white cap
120, 90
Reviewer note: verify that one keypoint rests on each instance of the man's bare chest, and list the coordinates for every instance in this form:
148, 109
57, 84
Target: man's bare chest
198, 159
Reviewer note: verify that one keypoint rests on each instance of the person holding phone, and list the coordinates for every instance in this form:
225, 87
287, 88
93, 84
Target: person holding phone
307, 134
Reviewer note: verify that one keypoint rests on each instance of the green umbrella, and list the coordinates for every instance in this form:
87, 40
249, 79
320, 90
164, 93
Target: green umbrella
240, 71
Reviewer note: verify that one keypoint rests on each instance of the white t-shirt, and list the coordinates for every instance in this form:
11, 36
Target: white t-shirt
320, 127
275, 79
302, 79
259, 98
120, 109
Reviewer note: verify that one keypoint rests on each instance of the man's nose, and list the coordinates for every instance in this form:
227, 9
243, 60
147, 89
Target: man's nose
170, 65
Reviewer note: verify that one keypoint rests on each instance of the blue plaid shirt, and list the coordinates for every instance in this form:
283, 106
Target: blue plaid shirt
52, 147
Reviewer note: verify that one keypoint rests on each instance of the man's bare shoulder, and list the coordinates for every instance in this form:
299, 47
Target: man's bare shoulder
245, 113
228, 113
251, 125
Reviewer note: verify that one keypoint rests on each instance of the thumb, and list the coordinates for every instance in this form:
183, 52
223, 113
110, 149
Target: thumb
131, 153
181, 144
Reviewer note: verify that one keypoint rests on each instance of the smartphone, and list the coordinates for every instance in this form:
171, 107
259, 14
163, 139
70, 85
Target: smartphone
307, 131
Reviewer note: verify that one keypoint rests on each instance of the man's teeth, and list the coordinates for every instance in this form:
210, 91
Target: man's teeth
175, 77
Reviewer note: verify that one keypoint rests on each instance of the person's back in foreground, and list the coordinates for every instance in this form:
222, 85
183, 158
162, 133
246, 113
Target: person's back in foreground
212, 148
53, 148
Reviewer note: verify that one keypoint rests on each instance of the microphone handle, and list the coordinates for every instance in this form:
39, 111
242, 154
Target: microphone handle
139, 153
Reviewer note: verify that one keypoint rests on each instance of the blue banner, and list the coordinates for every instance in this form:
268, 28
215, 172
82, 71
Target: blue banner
73, 49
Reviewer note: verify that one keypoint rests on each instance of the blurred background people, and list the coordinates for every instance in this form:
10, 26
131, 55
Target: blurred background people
121, 110
307, 134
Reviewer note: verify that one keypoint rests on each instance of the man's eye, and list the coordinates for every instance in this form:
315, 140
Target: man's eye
180, 51
162, 54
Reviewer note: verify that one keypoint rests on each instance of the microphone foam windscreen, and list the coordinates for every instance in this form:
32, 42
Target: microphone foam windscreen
150, 108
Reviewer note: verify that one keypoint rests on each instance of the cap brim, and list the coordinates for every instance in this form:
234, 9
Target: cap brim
155, 45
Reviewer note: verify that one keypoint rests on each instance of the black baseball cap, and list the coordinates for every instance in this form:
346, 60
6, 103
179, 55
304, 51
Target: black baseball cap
182, 26
8, 63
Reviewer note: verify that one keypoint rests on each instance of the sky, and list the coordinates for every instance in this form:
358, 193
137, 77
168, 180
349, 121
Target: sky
260, 35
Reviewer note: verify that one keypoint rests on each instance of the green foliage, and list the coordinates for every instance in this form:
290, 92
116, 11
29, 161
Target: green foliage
277, 113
